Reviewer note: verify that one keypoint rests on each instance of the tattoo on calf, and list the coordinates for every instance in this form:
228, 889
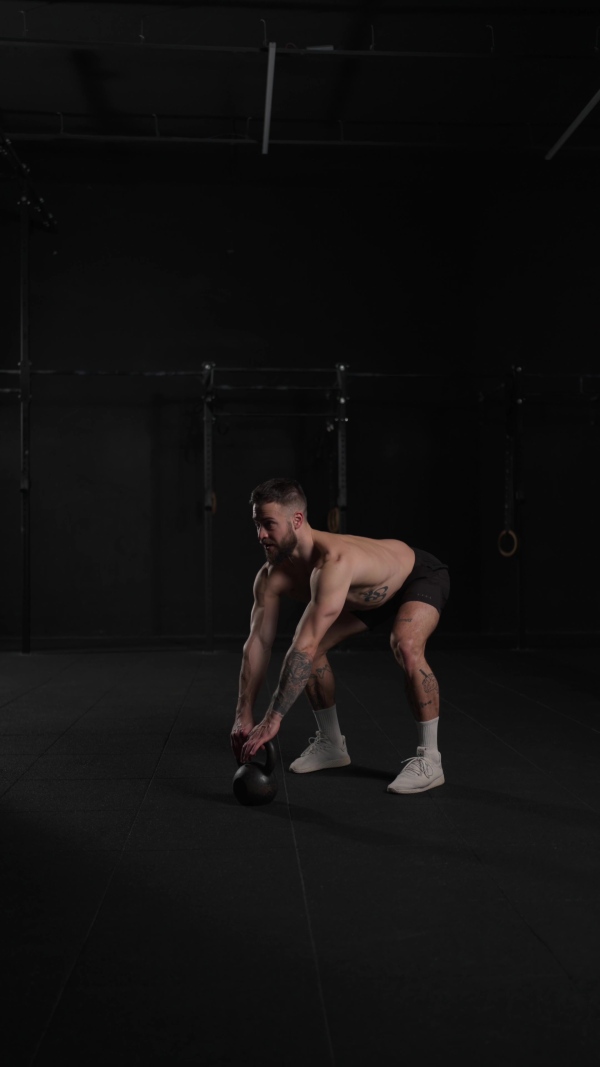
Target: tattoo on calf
374, 595
429, 682
295, 676
317, 688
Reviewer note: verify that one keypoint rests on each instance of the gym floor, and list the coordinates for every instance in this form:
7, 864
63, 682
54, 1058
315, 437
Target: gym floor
151, 919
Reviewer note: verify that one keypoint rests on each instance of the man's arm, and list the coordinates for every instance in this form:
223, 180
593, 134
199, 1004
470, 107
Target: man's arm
329, 589
255, 657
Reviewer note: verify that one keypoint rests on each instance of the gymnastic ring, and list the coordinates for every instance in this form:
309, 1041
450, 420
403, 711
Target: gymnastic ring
333, 520
515, 543
213, 499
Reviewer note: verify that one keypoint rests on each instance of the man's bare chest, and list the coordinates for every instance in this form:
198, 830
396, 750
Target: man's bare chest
360, 596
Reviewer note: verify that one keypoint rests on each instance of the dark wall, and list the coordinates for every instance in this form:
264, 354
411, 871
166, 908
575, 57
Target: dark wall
448, 270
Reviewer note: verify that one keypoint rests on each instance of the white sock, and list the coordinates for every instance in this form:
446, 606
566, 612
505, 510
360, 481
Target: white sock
327, 722
427, 732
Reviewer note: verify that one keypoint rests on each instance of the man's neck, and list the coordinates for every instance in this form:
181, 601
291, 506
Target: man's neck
305, 549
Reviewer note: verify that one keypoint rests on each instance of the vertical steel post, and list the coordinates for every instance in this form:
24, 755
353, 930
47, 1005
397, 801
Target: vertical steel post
25, 398
513, 496
518, 490
341, 422
209, 501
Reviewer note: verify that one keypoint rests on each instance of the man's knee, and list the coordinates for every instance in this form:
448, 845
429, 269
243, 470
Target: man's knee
408, 649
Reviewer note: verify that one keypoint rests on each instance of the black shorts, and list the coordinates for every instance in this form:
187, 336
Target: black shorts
428, 582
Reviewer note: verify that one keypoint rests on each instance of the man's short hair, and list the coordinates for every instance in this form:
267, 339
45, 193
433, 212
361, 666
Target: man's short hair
284, 491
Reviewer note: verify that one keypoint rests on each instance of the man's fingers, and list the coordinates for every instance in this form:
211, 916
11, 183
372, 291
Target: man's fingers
250, 749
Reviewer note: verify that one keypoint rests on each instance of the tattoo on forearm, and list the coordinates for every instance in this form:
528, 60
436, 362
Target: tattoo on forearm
374, 595
429, 682
424, 703
295, 674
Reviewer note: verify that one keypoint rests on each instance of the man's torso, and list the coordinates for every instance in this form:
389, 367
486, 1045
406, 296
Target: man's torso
378, 568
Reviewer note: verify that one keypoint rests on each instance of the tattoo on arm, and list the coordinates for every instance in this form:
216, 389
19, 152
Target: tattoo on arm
295, 674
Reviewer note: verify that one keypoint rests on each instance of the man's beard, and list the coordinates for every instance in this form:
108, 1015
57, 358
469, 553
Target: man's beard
284, 550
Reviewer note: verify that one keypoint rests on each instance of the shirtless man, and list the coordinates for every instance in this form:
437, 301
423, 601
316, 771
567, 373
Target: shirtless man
350, 585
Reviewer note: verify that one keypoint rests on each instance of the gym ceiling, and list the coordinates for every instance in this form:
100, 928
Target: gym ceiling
432, 77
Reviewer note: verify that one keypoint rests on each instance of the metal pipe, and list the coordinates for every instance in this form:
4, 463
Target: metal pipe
17, 42
517, 420
25, 397
341, 422
575, 123
208, 506
68, 372
91, 373
269, 97
228, 141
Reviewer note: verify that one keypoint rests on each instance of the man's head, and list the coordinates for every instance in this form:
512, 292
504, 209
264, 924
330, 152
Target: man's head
279, 513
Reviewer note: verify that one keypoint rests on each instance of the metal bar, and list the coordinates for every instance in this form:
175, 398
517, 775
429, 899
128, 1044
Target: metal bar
208, 506
25, 383
270, 388
517, 422
513, 496
575, 123
282, 370
74, 373
134, 138
68, 372
228, 141
341, 422
18, 42
276, 414
269, 97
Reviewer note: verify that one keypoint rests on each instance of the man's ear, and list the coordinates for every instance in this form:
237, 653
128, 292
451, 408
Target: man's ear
297, 519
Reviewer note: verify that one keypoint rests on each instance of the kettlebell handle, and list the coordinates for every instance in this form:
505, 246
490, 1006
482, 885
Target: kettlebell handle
270, 758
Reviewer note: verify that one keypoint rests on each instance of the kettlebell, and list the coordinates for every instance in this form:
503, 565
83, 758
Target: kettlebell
256, 783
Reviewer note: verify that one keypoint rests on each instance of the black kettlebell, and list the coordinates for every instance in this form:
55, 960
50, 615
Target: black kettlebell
256, 783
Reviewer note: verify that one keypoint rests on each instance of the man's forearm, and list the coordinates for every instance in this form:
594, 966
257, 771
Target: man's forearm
255, 661
295, 673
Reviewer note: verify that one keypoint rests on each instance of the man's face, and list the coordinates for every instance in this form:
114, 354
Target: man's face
275, 531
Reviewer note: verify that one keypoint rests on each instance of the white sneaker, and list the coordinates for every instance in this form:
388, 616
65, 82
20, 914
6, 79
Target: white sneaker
420, 773
320, 754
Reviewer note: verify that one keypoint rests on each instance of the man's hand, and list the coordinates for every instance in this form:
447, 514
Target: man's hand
241, 729
263, 732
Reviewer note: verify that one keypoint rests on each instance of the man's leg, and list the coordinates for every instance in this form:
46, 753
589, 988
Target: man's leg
414, 624
328, 748
320, 688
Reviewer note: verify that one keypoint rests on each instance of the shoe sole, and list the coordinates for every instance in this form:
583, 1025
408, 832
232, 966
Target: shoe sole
322, 766
422, 789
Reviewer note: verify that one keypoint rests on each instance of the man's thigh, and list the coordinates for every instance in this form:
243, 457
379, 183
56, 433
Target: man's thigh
346, 625
416, 620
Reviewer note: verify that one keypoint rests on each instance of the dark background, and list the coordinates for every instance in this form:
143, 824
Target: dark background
441, 254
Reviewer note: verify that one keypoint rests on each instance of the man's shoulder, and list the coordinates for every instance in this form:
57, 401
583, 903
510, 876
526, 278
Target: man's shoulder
271, 581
